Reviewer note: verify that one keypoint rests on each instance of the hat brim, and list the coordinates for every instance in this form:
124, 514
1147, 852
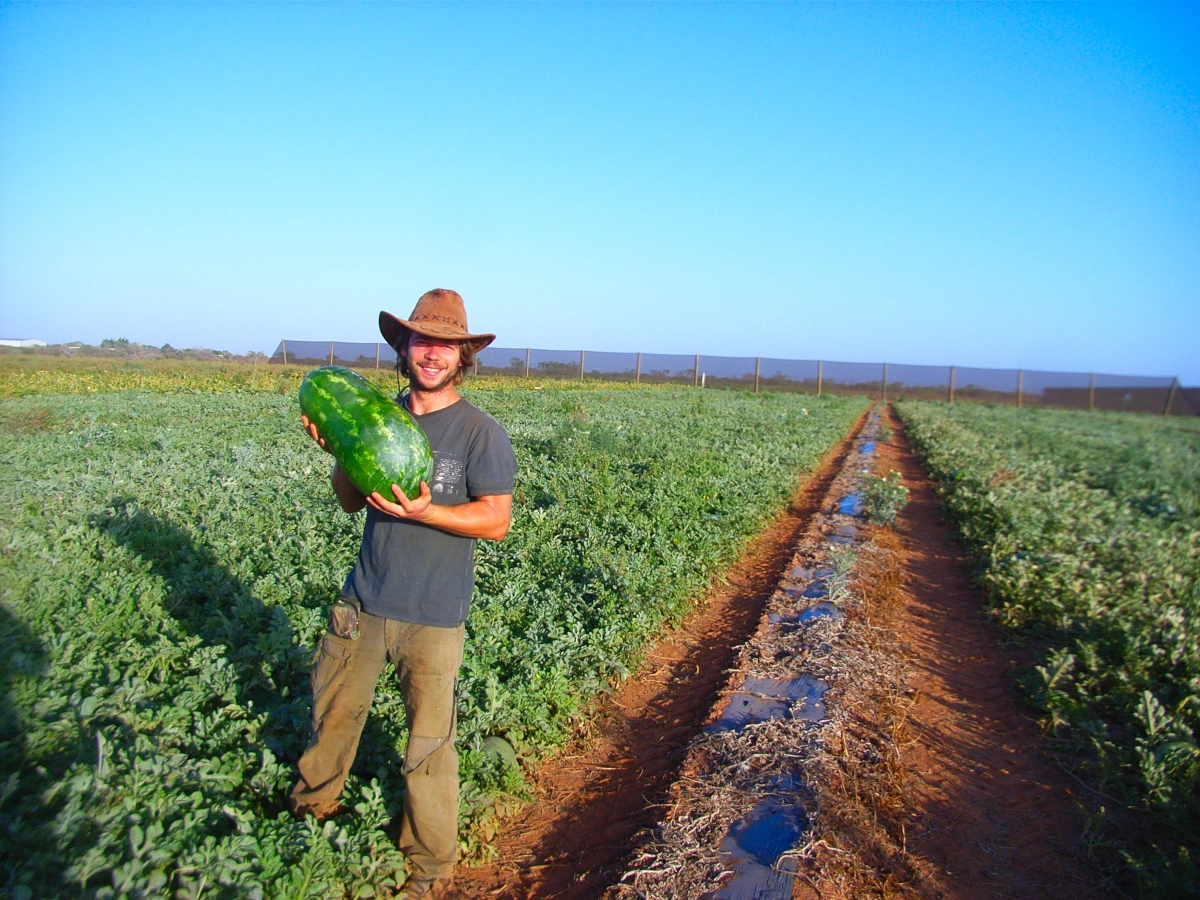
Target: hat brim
394, 331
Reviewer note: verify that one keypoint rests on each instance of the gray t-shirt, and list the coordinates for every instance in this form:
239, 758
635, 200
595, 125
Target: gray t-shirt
418, 574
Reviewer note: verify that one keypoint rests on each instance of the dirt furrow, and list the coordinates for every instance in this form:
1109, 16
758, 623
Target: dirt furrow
991, 815
598, 793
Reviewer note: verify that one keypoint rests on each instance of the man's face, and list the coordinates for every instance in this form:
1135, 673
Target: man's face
432, 362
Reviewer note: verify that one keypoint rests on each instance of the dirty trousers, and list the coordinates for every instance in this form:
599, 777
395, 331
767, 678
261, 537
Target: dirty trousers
343, 684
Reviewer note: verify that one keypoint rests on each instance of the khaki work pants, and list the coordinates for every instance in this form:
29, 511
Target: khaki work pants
427, 660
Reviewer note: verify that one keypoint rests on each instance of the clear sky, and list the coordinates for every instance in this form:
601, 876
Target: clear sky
987, 185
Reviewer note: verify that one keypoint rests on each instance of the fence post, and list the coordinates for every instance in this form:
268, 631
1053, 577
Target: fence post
696, 379
526, 362
951, 397
376, 356
757, 369
581, 365
476, 368
1091, 392
820, 375
1171, 396
1020, 388
331, 353
883, 396
637, 378
285, 353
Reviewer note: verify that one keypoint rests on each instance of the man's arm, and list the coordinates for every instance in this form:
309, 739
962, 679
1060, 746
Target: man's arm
485, 517
350, 497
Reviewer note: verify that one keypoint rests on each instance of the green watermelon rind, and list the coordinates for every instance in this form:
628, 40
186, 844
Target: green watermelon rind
374, 439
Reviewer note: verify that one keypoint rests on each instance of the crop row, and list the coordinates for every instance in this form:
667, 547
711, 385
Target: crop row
168, 561
1087, 529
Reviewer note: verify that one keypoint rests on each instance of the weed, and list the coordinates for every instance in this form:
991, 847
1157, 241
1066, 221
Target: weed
882, 497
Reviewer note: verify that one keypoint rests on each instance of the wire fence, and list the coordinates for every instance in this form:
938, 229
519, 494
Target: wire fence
1015, 387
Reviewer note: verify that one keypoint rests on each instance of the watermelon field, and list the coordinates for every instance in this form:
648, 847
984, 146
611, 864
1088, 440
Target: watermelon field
170, 549
1086, 528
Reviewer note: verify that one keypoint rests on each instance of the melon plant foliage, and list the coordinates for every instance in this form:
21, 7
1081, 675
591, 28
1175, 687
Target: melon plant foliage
1087, 530
168, 562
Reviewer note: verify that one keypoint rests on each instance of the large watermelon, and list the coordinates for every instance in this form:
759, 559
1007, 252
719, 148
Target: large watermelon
374, 440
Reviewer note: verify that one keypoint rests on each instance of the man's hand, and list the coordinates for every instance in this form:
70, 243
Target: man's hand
416, 510
312, 432
486, 517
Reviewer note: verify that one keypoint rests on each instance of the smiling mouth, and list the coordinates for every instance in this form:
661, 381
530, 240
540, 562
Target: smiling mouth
432, 373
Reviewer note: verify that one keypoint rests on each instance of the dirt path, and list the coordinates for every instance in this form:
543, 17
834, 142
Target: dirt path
595, 796
993, 816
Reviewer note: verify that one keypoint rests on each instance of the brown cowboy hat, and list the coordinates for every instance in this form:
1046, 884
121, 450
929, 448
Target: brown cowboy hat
439, 314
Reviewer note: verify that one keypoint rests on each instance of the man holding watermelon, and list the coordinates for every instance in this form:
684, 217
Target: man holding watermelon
407, 597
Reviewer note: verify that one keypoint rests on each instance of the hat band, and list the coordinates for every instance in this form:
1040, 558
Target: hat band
446, 319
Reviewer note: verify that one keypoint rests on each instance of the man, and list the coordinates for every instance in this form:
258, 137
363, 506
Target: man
407, 596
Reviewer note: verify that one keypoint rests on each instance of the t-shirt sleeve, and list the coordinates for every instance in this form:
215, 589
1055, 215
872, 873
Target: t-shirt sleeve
491, 463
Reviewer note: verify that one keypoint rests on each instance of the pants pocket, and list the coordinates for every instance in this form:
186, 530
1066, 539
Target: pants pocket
343, 620
333, 656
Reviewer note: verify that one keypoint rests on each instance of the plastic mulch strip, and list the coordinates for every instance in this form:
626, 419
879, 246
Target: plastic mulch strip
753, 849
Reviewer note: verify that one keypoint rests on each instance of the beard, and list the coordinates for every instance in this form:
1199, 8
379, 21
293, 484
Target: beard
420, 381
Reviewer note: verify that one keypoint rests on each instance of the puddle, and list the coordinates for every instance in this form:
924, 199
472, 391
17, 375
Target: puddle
749, 709
844, 535
785, 619
867, 447
805, 688
762, 699
821, 611
850, 505
812, 592
802, 574
769, 830
788, 781
752, 848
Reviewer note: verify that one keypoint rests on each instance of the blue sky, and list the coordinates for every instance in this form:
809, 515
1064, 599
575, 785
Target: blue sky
984, 185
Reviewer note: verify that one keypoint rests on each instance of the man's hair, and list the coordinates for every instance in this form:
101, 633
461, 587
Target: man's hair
466, 359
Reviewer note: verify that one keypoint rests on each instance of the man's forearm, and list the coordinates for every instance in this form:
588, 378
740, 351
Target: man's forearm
350, 497
486, 517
